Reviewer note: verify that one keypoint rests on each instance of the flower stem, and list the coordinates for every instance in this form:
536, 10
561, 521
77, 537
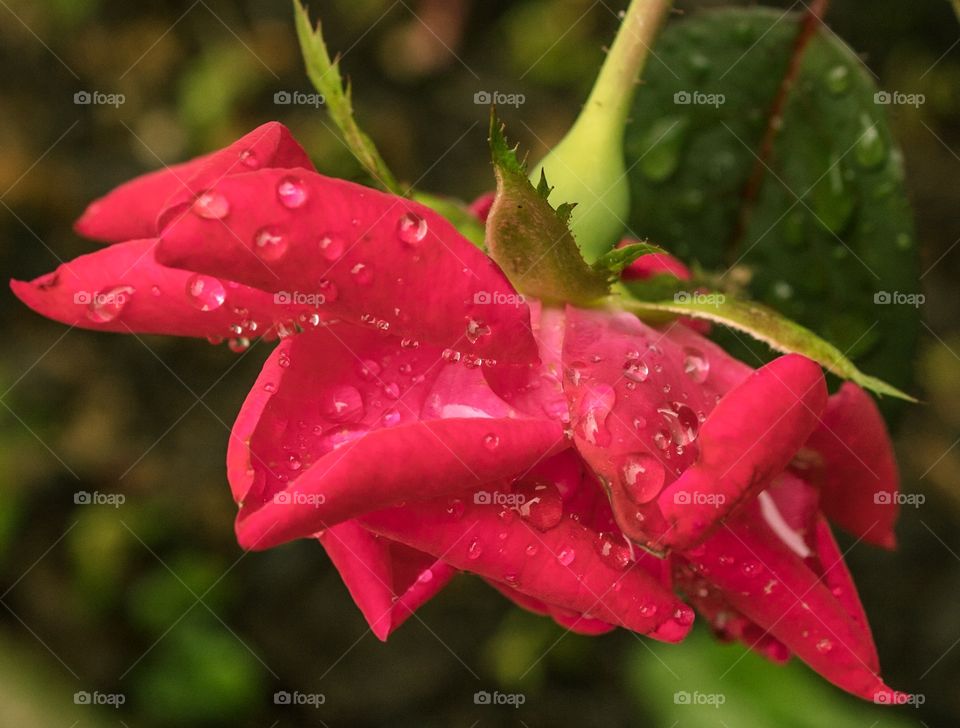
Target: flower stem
587, 165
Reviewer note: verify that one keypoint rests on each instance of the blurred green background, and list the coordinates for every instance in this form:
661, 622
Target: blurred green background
153, 601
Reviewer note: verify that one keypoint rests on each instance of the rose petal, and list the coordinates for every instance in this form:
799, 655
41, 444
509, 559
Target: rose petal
344, 420
746, 441
130, 211
122, 288
850, 457
637, 396
560, 566
376, 258
765, 580
569, 620
387, 580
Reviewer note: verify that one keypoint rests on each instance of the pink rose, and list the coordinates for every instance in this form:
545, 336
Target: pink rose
421, 418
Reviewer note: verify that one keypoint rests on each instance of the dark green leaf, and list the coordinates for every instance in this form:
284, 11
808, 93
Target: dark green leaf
828, 230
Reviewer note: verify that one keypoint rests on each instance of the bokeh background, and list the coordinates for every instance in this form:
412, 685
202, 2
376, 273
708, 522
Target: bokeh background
152, 600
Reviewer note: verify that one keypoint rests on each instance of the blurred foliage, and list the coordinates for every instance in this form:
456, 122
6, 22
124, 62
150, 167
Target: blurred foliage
106, 599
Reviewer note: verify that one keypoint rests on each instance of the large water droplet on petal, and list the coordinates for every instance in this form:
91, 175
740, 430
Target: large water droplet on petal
205, 293
683, 423
345, 404
211, 206
539, 502
362, 273
411, 228
695, 365
612, 550
594, 408
642, 476
270, 243
566, 556
331, 246
106, 305
476, 329
474, 550
636, 370
291, 192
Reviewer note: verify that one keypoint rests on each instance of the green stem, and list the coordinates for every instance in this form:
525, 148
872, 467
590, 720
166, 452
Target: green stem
587, 166
610, 99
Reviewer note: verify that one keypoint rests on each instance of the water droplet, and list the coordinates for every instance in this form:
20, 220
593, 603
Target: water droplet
411, 228
661, 148
106, 305
661, 439
211, 206
451, 356
683, 615
682, 422
331, 246
540, 503
269, 243
426, 576
695, 365
648, 610
595, 406
870, 149
491, 441
566, 556
270, 387
362, 273
294, 463
291, 192
636, 370
612, 550
390, 418
824, 646
838, 79
833, 201
328, 290
456, 508
369, 369
205, 293
474, 549
642, 476
392, 390
751, 568
345, 404
249, 159
476, 329
531, 549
